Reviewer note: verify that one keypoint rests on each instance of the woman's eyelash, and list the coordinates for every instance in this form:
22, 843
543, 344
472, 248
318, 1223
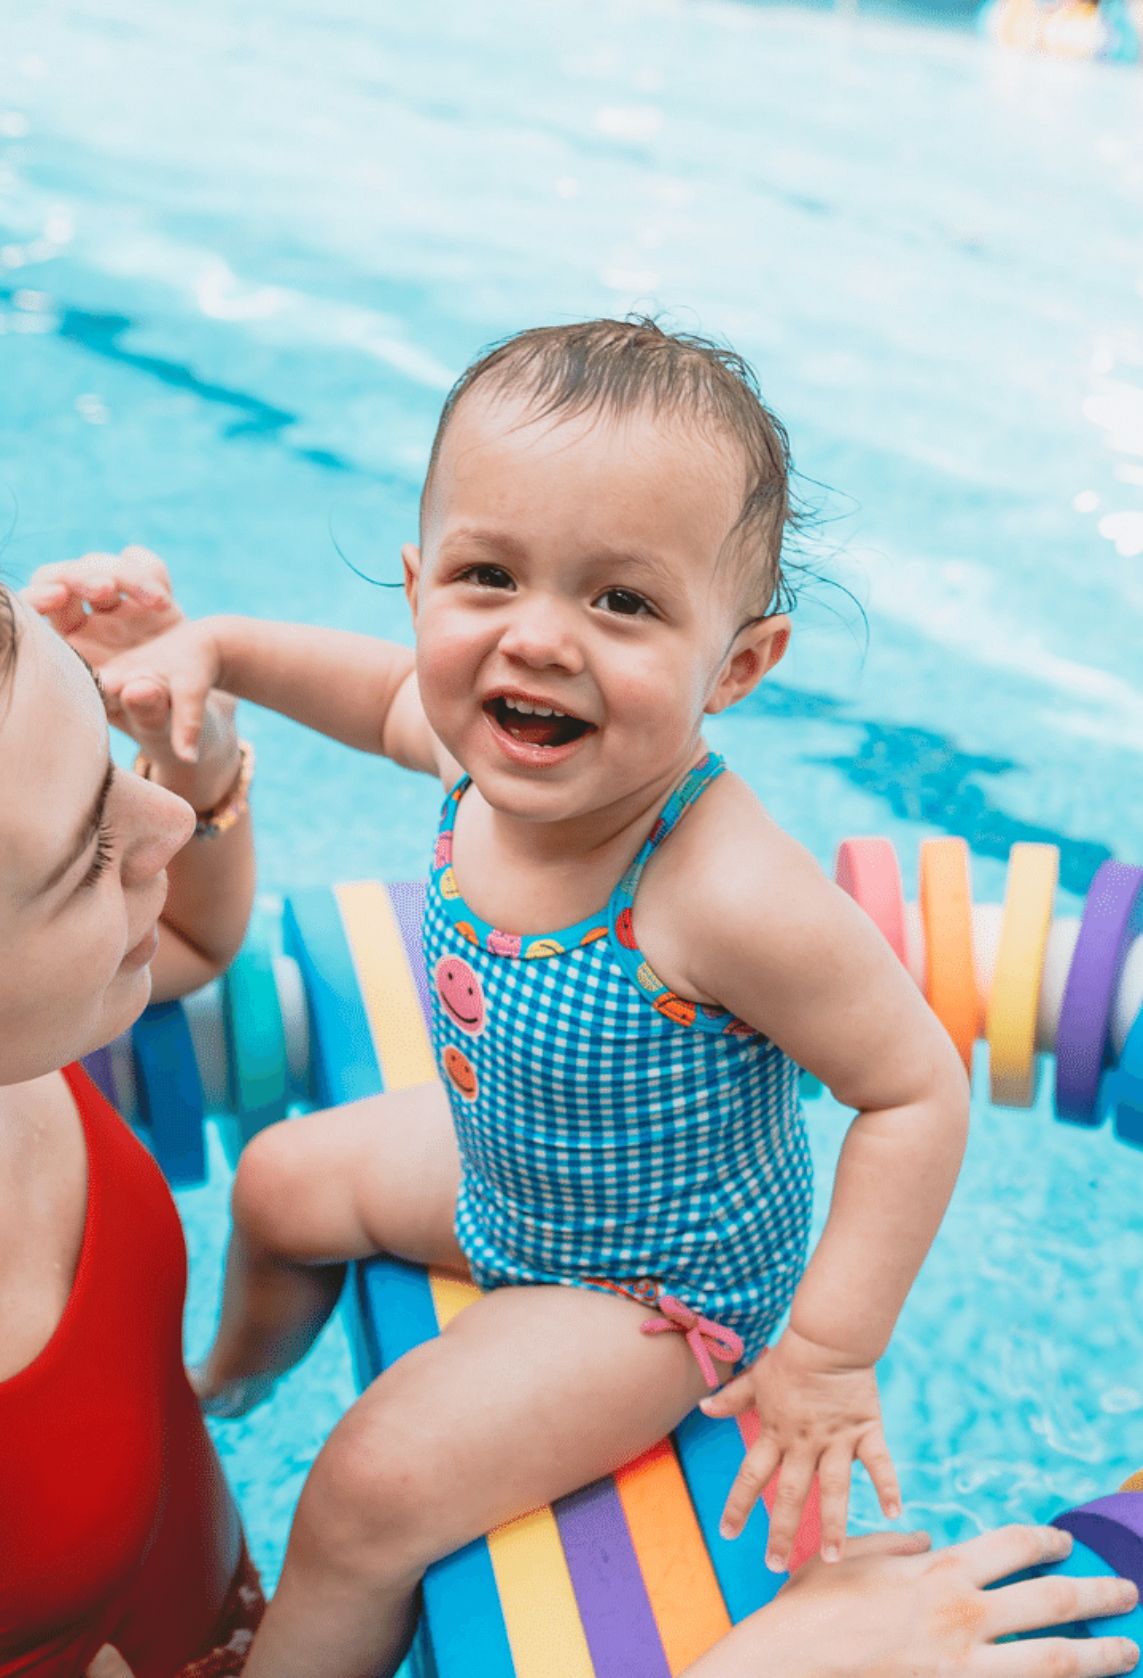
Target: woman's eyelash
104, 850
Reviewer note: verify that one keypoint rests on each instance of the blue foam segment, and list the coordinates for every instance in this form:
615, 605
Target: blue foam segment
342, 1055
1083, 1563
255, 1038
710, 1453
170, 1092
462, 1603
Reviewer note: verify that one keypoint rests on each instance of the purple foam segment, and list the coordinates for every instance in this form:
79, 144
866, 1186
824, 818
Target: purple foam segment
408, 900
97, 1065
1112, 918
1113, 1528
617, 1617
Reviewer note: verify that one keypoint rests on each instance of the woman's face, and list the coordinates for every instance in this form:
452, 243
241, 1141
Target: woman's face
83, 856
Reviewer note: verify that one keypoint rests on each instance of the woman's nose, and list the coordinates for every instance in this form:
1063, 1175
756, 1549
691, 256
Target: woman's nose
163, 823
541, 632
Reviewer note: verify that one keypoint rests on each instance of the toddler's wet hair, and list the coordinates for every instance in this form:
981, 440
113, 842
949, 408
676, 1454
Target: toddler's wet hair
618, 367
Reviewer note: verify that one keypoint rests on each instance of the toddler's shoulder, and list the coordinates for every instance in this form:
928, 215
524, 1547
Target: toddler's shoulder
736, 853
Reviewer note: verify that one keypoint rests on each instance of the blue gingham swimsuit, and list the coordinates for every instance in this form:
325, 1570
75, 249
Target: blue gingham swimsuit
613, 1134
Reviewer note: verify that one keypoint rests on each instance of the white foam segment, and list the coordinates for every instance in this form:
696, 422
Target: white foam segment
122, 1057
915, 943
987, 923
1129, 997
1057, 961
203, 1010
295, 1019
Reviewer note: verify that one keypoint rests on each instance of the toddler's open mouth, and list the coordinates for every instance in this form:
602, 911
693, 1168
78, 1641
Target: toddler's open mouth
534, 724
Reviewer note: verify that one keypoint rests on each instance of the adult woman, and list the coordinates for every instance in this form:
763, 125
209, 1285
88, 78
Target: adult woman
115, 1519
77, 945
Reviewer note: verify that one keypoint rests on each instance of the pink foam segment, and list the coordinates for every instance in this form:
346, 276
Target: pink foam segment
809, 1540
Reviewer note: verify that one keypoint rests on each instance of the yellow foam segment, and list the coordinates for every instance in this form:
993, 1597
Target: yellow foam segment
677, 1572
1133, 1482
1014, 1001
537, 1598
387, 989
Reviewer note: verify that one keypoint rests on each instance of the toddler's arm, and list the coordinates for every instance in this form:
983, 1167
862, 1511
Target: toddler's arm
355, 688
792, 955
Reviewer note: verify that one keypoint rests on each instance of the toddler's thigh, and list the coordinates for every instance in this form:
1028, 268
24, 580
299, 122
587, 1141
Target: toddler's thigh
528, 1394
378, 1175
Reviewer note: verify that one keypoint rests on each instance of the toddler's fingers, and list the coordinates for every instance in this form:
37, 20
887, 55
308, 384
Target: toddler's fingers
786, 1515
873, 1453
749, 1483
834, 1473
731, 1400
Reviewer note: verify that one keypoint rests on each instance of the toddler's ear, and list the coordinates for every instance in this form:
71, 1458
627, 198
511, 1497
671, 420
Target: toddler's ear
411, 559
757, 649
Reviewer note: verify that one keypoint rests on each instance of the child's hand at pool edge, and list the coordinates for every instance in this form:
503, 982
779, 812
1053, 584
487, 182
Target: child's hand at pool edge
817, 1411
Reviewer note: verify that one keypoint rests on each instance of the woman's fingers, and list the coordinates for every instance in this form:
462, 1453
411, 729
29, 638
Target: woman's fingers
834, 1473
1057, 1657
873, 1454
1011, 1549
188, 707
794, 1484
1056, 1601
146, 705
749, 1483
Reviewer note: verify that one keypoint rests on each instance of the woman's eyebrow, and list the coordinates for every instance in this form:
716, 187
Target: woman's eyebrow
85, 834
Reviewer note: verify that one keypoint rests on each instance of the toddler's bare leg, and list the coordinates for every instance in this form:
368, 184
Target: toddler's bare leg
529, 1394
379, 1175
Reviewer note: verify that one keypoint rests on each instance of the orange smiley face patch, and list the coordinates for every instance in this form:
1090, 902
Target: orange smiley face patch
460, 1072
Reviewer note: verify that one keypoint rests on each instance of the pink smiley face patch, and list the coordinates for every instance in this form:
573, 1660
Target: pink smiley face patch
461, 996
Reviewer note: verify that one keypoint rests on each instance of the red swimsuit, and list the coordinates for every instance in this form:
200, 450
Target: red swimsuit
116, 1524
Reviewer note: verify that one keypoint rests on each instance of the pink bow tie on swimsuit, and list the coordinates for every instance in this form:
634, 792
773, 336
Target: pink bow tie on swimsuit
703, 1336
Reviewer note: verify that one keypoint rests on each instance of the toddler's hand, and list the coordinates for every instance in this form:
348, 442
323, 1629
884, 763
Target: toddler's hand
816, 1413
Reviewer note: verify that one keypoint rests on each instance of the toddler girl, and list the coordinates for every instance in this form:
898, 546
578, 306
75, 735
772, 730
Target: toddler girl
629, 960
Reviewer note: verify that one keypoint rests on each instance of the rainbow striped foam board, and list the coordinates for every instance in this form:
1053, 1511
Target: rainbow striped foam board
625, 1579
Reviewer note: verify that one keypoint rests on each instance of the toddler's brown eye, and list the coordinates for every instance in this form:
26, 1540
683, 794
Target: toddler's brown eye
625, 602
488, 576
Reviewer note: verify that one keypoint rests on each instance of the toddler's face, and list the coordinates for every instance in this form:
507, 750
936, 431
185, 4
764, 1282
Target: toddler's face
573, 621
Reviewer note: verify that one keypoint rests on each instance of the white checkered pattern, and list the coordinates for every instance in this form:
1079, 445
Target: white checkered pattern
607, 1141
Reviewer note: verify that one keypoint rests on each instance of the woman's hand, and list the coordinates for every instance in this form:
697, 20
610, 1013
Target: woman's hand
888, 1609
104, 603
817, 1412
116, 611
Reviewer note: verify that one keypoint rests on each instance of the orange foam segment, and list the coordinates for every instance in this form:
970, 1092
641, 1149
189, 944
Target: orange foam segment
677, 1572
950, 972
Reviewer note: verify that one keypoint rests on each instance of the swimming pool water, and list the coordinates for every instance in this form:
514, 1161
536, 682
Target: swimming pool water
243, 252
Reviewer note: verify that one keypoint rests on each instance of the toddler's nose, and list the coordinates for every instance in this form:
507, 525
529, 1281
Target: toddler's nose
540, 632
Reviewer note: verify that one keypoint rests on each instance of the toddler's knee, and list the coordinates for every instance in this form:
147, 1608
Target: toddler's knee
366, 1509
269, 1179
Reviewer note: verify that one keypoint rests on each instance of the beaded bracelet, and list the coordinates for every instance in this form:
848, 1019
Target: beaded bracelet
211, 824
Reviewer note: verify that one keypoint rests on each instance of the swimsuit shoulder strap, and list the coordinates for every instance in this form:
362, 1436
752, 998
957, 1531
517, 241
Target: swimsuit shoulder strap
688, 792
